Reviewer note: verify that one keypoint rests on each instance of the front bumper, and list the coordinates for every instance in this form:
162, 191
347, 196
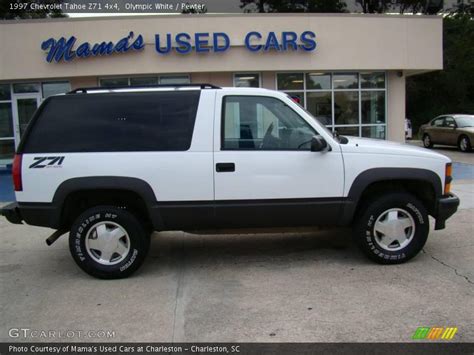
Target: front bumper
446, 206
12, 213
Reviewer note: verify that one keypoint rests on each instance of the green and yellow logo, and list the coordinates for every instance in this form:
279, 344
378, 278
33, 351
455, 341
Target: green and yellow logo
435, 333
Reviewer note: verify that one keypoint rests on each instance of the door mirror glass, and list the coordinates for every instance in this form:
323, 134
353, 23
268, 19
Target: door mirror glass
318, 144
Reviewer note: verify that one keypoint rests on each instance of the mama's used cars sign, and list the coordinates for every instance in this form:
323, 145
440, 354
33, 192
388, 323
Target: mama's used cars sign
67, 49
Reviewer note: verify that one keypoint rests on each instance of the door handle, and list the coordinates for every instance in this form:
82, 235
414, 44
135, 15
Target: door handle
225, 167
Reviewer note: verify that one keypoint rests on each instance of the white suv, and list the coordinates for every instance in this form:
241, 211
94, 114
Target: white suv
113, 165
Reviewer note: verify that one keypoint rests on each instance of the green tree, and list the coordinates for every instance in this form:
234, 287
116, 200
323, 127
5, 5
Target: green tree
322, 6
450, 90
6, 13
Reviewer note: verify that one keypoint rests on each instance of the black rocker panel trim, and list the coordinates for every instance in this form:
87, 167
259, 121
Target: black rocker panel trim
250, 213
195, 215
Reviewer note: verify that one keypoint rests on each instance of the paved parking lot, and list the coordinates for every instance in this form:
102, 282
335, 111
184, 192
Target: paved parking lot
274, 287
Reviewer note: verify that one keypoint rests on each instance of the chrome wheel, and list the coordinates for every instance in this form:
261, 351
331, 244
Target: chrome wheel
463, 144
107, 243
394, 229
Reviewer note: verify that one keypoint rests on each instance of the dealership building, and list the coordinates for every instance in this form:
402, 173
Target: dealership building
348, 70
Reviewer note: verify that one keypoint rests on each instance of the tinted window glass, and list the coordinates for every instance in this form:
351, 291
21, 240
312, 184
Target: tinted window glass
139, 81
372, 80
5, 92
318, 81
50, 89
25, 87
247, 80
6, 123
290, 81
146, 121
110, 82
174, 79
345, 81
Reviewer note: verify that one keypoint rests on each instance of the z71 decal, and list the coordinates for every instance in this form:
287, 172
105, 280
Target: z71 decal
47, 162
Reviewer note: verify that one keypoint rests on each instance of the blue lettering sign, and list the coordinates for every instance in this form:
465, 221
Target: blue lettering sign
62, 49
223, 46
159, 48
202, 42
309, 42
272, 42
248, 38
184, 44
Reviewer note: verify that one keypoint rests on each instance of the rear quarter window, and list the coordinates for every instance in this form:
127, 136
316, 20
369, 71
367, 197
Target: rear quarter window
145, 121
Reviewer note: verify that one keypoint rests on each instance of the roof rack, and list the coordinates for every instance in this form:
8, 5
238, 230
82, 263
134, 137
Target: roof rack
105, 88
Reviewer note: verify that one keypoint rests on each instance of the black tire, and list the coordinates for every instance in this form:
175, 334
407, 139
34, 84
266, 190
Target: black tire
464, 144
138, 242
369, 241
427, 142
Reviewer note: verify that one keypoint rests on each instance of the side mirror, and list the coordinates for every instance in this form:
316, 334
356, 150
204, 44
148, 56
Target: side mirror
318, 144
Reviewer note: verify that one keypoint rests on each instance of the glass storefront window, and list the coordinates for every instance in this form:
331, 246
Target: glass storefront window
347, 131
290, 81
340, 99
6, 122
143, 81
7, 150
372, 80
174, 79
346, 107
373, 106
247, 80
54, 88
5, 92
345, 81
298, 97
20, 88
320, 106
26, 109
318, 81
111, 82
374, 132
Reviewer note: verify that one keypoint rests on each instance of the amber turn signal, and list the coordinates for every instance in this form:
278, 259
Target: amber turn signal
448, 178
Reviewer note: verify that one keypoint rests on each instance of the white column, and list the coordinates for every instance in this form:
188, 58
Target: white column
396, 106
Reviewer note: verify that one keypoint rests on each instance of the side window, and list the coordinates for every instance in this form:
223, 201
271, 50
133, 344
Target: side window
438, 122
263, 123
449, 122
137, 121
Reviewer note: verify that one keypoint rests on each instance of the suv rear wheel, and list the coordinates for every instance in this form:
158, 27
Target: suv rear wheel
108, 242
393, 228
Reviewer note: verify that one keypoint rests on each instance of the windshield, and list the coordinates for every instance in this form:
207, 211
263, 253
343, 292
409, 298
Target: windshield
465, 121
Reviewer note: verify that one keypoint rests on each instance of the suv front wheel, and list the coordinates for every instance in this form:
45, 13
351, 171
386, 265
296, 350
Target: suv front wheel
108, 242
392, 229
